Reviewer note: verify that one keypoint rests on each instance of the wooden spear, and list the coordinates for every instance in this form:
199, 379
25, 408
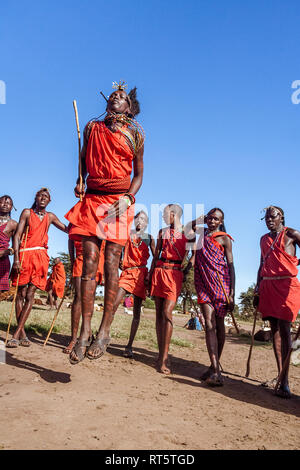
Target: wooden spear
17, 286
57, 311
79, 149
227, 300
252, 342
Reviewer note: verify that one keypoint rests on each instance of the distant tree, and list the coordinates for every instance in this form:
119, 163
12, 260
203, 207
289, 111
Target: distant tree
188, 291
246, 302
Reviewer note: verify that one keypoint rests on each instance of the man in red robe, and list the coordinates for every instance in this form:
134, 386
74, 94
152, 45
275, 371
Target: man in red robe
278, 289
56, 283
166, 277
134, 277
30, 248
8, 228
111, 148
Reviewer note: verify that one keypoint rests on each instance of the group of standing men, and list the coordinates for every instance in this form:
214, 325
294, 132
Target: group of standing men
99, 232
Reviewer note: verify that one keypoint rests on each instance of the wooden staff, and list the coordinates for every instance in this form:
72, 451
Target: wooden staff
57, 311
79, 150
17, 286
227, 300
286, 363
252, 342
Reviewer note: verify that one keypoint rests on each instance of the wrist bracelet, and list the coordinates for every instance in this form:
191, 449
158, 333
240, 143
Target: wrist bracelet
131, 197
11, 251
127, 199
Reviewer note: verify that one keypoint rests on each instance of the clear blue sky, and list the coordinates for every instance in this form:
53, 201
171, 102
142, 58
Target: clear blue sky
214, 81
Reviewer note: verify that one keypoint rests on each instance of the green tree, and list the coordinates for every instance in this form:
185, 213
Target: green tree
246, 302
188, 291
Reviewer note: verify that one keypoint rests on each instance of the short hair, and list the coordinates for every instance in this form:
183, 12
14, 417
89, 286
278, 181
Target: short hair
176, 208
141, 212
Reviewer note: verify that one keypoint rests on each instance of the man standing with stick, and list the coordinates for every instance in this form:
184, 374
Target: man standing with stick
110, 149
33, 273
56, 283
7, 231
278, 289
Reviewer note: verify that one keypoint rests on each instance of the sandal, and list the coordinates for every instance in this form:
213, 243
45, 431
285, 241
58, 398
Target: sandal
13, 343
215, 381
98, 343
77, 349
25, 342
270, 383
128, 353
283, 392
68, 349
206, 374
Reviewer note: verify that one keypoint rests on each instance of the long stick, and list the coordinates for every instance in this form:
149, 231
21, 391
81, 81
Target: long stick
252, 342
79, 149
286, 363
227, 300
57, 311
17, 286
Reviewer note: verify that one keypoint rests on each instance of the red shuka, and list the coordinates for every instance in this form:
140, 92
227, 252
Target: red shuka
136, 254
36, 260
278, 298
166, 283
109, 166
57, 280
77, 266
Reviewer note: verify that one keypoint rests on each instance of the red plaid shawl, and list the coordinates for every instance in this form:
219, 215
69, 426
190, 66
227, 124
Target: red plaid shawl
4, 262
210, 259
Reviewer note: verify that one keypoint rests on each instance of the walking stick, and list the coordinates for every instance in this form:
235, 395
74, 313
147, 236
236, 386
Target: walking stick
57, 311
227, 300
17, 286
79, 149
286, 363
252, 342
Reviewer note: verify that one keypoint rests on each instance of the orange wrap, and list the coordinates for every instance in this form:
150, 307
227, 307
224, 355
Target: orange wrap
108, 158
278, 298
167, 283
57, 280
36, 261
132, 279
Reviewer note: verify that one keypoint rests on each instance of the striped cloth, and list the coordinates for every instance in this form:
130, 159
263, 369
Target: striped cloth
210, 259
4, 262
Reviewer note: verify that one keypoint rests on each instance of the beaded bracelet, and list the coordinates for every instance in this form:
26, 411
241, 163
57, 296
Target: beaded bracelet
131, 197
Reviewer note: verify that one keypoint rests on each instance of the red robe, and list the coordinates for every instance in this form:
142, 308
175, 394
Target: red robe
36, 260
136, 254
278, 298
57, 280
167, 278
4, 261
77, 266
109, 166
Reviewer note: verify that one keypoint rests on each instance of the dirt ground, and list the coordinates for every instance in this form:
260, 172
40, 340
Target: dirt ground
117, 403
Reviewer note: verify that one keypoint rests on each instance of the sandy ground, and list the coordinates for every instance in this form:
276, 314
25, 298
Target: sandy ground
117, 403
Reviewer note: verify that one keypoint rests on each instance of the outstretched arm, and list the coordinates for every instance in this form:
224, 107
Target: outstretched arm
53, 219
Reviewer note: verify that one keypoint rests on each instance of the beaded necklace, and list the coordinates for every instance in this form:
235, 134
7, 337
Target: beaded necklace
136, 142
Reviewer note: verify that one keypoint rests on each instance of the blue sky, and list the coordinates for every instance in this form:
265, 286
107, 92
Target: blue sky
214, 81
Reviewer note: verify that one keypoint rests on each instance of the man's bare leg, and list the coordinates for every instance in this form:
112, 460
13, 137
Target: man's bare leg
286, 343
220, 328
159, 324
134, 324
75, 314
167, 330
25, 312
51, 299
111, 265
213, 373
120, 296
91, 250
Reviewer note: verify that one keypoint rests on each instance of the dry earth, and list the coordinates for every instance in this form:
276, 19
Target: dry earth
116, 403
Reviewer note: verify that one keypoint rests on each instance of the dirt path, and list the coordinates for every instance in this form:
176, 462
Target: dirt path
116, 403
